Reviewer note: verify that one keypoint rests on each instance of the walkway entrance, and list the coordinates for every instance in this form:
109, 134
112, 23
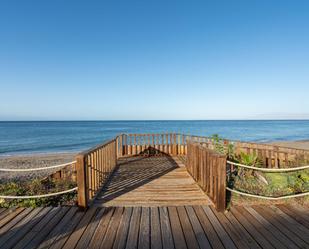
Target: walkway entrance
151, 181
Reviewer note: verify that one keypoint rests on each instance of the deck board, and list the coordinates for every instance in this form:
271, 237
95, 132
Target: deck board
155, 227
151, 181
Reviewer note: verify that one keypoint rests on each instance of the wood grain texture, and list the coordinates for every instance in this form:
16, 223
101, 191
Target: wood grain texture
156, 227
151, 181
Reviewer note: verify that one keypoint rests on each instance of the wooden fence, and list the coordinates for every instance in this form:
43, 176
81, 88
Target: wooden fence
66, 173
208, 169
94, 167
168, 143
203, 163
176, 144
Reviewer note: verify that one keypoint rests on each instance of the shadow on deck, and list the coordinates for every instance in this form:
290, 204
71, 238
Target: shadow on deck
184, 227
151, 181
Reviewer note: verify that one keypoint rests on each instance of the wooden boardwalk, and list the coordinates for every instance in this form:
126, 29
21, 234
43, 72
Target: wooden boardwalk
151, 181
155, 227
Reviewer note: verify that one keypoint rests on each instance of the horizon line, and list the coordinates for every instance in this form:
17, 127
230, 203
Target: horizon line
136, 120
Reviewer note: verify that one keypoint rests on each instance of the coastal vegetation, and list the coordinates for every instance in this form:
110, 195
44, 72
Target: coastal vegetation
37, 187
271, 184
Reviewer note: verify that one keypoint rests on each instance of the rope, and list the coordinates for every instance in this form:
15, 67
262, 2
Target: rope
268, 170
36, 169
38, 196
267, 197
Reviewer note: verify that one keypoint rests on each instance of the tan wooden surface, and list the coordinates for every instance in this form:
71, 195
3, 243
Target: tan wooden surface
155, 227
151, 181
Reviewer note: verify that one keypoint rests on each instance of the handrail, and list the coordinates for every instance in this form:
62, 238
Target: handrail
37, 169
96, 147
94, 167
37, 196
266, 169
267, 197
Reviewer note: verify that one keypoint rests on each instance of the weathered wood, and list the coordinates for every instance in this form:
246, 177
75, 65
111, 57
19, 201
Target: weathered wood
82, 192
165, 227
208, 169
93, 169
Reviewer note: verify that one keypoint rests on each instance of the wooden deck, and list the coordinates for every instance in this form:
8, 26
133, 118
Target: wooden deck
155, 227
151, 181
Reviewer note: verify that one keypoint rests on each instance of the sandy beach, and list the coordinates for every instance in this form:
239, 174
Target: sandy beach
44, 160
303, 144
32, 161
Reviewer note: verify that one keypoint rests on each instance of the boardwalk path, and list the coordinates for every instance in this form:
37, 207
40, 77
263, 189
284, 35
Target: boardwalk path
155, 227
151, 181
154, 203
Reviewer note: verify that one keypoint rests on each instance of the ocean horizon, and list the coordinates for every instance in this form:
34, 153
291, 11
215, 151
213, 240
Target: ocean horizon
29, 137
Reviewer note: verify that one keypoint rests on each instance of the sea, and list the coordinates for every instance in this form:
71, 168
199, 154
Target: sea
73, 136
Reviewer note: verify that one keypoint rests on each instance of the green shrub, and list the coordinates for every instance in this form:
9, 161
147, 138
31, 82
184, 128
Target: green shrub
37, 187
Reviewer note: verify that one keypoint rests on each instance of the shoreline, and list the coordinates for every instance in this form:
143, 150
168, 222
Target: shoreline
297, 144
39, 159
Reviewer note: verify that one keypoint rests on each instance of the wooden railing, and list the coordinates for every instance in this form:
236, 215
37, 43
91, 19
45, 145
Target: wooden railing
203, 163
208, 169
168, 143
94, 167
66, 173
273, 156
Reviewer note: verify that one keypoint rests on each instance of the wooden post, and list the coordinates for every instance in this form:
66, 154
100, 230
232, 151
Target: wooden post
82, 194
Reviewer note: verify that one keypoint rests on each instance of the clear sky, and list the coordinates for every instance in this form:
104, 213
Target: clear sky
67, 60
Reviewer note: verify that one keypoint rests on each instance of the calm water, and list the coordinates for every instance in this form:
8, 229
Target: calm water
29, 137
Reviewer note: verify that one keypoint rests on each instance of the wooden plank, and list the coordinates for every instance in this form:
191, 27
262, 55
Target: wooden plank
167, 237
292, 224
241, 231
9, 215
276, 222
101, 229
238, 239
43, 231
79, 229
179, 239
208, 228
67, 230
52, 236
91, 228
35, 230
264, 230
25, 226
155, 231
224, 237
82, 192
132, 240
197, 228
14, 221
271, 228
264, 243
112, 229
122, 233
144, 234
301, 217
187, 228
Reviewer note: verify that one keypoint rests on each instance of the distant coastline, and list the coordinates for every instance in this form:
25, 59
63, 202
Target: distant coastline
37, 137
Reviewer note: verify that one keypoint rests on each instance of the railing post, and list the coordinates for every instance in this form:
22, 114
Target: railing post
82, 194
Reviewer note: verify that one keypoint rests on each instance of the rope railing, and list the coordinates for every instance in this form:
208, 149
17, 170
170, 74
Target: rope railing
267, 197
268, 170
37, 169
37, 196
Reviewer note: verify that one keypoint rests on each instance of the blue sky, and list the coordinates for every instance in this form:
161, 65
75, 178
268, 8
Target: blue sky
67, 60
